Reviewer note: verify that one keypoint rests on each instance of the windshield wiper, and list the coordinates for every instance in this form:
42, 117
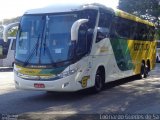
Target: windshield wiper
44, 45
48, 51
35, 48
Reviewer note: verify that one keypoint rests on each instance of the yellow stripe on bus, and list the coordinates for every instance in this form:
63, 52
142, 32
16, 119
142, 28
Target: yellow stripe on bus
125, 15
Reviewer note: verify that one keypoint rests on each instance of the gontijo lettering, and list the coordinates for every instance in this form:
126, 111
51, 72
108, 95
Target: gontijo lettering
141, 46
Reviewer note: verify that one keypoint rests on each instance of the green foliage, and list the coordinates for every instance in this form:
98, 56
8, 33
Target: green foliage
13, 31
158, 34
146, 9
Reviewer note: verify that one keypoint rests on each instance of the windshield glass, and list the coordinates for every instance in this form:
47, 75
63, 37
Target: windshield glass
57, 40
30, 33
46, 38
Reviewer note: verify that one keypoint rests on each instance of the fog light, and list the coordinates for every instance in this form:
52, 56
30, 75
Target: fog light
65, 85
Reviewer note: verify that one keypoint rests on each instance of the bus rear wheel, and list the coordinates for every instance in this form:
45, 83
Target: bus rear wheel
157, 60
148, 66
143, 71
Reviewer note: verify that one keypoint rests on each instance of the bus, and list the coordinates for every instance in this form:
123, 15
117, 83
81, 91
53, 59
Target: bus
74, 47
7, 50
158, 52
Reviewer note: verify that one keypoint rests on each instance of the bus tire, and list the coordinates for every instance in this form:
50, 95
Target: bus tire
148, 66
99, 80
13, 64
157, 60
143, 71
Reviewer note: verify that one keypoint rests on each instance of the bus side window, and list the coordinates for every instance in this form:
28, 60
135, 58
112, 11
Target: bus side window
143, 32
123, 27
151, 33
158, 44
103, 26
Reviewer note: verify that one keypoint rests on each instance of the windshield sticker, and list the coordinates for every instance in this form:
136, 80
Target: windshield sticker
22, 51
58, 50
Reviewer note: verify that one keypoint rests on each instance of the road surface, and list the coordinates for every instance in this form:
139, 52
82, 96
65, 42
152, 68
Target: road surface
127, 96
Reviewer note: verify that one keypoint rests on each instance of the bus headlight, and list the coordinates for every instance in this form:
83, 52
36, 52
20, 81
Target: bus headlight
67, 73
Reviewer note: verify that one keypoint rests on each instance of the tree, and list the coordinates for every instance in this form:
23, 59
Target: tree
146, 9
12, 20
13, 31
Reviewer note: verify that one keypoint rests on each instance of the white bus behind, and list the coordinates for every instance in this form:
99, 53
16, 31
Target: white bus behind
7, 49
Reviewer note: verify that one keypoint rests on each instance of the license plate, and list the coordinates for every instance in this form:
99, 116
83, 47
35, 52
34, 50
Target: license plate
39, 85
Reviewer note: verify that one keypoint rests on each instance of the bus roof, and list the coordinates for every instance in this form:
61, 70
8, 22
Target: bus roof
77, 6
67, 8
126, 15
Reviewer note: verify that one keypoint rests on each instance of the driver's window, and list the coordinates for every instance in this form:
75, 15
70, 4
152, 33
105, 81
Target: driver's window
104, 25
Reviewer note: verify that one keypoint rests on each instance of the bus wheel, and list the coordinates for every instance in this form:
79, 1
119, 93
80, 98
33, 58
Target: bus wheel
144, 71
99, 81
157, 60
148, 66
13, 64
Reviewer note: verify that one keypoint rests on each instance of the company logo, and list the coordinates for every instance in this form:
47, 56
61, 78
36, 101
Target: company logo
140, 46
103, 49
84, 81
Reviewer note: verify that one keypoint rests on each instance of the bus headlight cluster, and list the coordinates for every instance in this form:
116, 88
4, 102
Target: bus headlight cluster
67, 73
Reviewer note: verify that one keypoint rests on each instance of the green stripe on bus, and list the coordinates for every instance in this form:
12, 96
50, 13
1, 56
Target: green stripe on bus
122, 54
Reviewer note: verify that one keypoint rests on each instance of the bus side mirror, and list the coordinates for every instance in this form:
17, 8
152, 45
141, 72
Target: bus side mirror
75, 27
7, 28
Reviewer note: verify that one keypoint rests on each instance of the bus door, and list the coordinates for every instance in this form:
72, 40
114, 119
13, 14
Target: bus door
8, 62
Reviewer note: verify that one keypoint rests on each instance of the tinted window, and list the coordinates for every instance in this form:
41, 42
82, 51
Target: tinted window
125, 28
133, 30
104, 25
158, 44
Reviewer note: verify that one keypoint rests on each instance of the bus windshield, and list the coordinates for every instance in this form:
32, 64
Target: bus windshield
46, 38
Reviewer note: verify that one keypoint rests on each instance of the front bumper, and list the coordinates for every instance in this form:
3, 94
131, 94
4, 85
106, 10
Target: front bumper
68, 84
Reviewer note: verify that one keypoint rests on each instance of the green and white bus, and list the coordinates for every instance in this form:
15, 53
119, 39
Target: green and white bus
73, 47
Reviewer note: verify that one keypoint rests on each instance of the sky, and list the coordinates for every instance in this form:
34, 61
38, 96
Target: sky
14, 8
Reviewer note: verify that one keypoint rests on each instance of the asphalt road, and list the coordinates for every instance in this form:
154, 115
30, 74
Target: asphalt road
127, 96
